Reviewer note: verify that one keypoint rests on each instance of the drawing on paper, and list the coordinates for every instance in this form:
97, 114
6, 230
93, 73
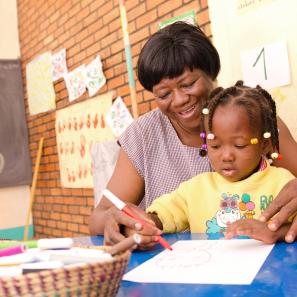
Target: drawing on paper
75, 83
187, 258
94, 76
59, 67
40, 88
77, 128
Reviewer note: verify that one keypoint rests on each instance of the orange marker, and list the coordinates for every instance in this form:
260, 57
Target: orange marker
123, 207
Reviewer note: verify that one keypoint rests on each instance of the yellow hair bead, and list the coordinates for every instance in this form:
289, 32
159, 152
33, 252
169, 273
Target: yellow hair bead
254, 141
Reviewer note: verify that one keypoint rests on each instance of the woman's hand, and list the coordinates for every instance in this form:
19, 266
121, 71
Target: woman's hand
285, 204
256, 230
117, 218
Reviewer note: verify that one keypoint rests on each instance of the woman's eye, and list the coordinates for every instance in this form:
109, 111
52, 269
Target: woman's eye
189, 85
164, 96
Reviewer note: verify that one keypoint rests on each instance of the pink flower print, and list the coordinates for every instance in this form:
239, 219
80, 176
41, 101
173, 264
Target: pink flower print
224, 204
232, 203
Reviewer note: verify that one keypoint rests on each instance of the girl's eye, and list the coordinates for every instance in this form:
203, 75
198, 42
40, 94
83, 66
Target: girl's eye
240, 146
215, 146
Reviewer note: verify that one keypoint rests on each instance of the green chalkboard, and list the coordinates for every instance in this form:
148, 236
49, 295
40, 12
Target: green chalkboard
15, 162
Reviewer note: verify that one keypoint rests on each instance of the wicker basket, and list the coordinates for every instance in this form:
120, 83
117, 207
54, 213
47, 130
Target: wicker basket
96, 279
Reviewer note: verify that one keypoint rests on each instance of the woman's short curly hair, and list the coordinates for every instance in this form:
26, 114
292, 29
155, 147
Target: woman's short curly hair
169, 50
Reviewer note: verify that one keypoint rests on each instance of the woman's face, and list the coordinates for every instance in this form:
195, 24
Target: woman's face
182, 98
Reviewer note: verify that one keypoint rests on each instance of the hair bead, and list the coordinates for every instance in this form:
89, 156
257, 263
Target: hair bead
270, 161
202, 135
274, 155
279, 157
267, 135
254, 141
204, 146
205, 111
210, 136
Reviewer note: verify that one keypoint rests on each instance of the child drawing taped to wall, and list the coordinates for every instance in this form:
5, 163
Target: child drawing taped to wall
241, 138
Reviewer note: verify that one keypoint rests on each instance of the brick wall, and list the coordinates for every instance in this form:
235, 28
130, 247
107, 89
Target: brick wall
85, 28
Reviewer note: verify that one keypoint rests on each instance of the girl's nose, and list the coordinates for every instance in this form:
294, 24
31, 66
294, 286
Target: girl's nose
228, 156
180, 98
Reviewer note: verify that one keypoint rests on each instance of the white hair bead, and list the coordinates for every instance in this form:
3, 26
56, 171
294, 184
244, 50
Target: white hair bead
205, 111
267, 135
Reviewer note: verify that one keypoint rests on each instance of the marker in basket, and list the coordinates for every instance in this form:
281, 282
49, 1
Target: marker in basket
123, 207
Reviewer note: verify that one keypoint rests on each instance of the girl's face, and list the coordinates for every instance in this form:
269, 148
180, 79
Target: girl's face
231, 153
183, 97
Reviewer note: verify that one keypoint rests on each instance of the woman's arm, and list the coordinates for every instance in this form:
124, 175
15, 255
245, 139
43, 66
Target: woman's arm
286, 201
127, 185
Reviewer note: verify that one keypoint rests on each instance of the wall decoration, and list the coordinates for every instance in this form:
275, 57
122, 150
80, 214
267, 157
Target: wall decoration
59, 67
244, 6
119, 117
40, 88
77, 128
75, 82
188, 17
94, 76
267, 66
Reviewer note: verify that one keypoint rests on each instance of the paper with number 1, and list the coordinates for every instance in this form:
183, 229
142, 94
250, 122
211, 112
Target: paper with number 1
267, 66
232, 262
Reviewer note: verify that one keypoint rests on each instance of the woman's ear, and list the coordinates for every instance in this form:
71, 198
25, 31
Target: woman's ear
267, 146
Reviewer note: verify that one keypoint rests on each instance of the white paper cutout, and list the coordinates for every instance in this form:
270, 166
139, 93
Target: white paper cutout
119, 117
94, 76
75, 83
59, 67
267, 66
204, 262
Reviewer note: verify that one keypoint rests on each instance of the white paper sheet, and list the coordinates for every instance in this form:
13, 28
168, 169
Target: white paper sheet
59, 66
119, 117
94, 76
271, 70
230, 262
75, 82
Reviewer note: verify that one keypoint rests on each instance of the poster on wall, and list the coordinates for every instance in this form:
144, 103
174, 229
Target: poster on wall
188, 17
77, 128
59, 67
40, 88
94, 76
244, 6
267, 66
75, 82
119, 117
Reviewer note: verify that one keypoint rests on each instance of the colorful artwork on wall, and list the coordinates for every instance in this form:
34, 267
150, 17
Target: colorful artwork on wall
59, 67
94, 76
119, 117
77, 128
75, 82
40, 88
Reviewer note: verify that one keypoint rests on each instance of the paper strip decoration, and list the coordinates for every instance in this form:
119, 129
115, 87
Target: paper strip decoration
267, 66
94, 76
119, 117
201, 262
77, 128
40, 88
75, 83
59, 67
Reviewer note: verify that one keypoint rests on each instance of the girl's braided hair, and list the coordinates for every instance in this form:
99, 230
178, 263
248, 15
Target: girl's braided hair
241, 95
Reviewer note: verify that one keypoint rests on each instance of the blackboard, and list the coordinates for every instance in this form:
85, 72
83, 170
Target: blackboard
15, 162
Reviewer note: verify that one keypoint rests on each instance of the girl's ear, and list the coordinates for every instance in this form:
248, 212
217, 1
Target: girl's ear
267, 145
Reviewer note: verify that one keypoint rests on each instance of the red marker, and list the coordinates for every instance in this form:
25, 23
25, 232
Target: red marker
123, 207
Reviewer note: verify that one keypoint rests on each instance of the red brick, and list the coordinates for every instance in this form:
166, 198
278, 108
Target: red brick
80, 201
74, 10
204, 3
116, 24
72, 227
51, 224
54, 16
65, 217
148, 95
70, 23
78, 219
91, 18
111, 38
104, 53
116, 59
84, 229
80, 57
203, 17
109, 73
104, 9
115, 82
143, 108
136, 12
96, 26
122, 91
73, 209
101, 33
67, 234
139, 35
82, 14
91, 201
85, 210
69, 200
94, 5
152, 4
61, 225
146, 19
186, 8
169, 6
87, 42
57, 233
94, 49
117, 47
55, 216
110, 16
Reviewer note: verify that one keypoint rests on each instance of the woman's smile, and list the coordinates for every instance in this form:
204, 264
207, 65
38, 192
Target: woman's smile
189, 112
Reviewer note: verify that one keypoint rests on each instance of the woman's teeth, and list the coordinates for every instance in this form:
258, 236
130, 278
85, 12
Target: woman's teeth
188, 109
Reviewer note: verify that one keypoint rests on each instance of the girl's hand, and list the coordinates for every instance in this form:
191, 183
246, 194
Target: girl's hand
117, 218
286, 204
252, 228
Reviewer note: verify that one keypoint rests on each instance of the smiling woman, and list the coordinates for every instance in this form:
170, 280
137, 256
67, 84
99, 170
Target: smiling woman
162, 148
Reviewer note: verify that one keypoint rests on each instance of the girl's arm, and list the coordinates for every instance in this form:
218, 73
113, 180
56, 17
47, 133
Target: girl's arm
106, 219
286, 201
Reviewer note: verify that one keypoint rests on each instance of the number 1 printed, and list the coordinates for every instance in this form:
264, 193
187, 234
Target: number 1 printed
262, 51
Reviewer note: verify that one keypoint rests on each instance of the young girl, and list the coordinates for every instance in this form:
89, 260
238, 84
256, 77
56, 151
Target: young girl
239, 126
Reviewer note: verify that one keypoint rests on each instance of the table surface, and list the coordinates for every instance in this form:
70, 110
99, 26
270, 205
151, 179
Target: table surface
277, 276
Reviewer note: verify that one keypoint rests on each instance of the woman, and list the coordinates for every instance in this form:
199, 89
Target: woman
162, 148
